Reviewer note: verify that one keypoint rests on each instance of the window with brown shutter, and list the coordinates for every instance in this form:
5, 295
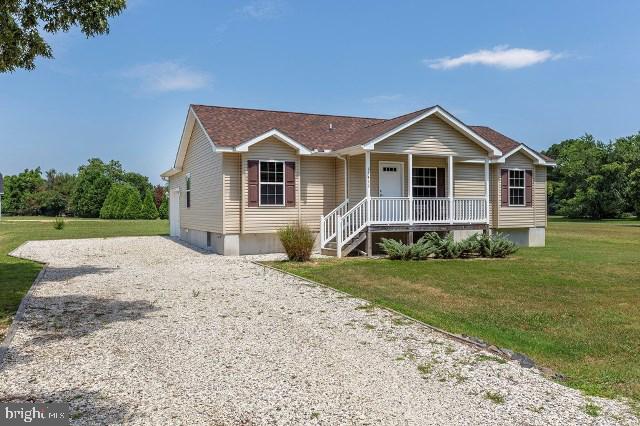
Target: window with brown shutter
528, 187
290, 183
504, 187
252, 176
272, 183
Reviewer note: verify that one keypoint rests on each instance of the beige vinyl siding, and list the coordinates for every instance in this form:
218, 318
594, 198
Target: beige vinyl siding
267, 219
494, 197
515, 217
339, 179
232, 184
434, 137
468, 180
205, 166
356, 181
540, 195
317, 189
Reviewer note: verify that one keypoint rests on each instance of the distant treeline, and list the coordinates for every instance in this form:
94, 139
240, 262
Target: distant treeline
594, 179
99, 189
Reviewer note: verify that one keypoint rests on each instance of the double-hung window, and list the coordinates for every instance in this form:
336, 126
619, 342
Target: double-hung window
425, 182
516, 187
271, 183
188, 190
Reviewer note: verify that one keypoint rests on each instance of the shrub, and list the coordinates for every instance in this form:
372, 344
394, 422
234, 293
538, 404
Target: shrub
133, 210
297, 241
443, 248
58, 223
47, 203
495, 245
395, 249
122, 202
149, 210
163, 210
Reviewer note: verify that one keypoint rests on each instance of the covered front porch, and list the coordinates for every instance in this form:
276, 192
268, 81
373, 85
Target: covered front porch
398, 192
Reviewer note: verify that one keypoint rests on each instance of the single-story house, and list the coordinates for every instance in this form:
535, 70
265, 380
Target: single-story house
242, 174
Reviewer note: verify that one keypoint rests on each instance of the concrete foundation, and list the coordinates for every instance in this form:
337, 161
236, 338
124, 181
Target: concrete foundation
525, 237
459, 235
236, 244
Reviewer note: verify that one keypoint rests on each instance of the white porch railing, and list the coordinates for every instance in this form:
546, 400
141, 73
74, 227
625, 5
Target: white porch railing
329, 222
351, 224
469, 210
343, 224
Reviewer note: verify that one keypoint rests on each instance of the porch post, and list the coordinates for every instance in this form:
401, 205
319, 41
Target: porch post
486, 187
367, 172
410, 187
450, 188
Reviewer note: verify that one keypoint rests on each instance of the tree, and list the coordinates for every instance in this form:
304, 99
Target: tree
138, 181
115, 203
159, 194
134, 205
47, 203
24, 22
633, 193
163, 211
18, 188
149, 210
92, 186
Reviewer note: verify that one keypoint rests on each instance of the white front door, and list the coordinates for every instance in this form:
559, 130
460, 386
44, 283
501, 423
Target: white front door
174, 212
390, 180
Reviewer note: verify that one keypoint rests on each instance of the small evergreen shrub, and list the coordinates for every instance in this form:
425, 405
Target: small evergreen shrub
395, 249
495, 245
298, 241
133, 210
58, 223
443, 248
149, 210
163, 210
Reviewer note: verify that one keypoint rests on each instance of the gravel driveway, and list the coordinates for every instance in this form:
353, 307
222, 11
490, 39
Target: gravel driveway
148, 331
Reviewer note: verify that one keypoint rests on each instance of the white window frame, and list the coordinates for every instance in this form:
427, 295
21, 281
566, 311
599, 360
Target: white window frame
188, 183
284, 179
425, 186
523, 187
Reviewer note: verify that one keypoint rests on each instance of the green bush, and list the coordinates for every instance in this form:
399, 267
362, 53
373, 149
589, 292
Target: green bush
58, 223
163, 210
395, 249
47, 203
297, 241
149, 210
122, 202
495, 245
443, 248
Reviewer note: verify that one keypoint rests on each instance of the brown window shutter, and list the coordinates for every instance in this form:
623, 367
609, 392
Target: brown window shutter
528, 186
441, 181
252, 176
290, 183
504, 182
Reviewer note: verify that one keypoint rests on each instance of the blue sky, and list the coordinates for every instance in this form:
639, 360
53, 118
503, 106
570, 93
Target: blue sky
539, 72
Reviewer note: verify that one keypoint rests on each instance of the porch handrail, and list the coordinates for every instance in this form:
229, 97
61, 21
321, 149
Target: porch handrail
329, 221
390, 210
470, 210
350, 225
431, 210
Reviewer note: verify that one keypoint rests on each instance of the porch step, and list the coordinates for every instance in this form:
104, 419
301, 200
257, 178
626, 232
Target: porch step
355, 242
331, 248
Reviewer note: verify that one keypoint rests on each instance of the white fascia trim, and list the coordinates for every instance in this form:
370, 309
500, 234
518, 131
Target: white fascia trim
454, 122
244, 147
172, 171
530, 153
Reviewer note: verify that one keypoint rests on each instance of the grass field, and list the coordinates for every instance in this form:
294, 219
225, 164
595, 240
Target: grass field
573, 306
16, 275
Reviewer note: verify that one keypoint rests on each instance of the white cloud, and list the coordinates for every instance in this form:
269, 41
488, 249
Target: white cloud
262, 9
500, 57
378, 99
167, 77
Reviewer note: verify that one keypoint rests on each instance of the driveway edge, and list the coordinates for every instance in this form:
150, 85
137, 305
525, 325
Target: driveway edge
11, 331
457, 337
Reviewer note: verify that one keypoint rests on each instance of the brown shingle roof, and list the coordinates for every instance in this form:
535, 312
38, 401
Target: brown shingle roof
228, 127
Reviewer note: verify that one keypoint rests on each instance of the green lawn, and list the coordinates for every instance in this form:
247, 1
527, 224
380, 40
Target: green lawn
573, 306
16, 275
